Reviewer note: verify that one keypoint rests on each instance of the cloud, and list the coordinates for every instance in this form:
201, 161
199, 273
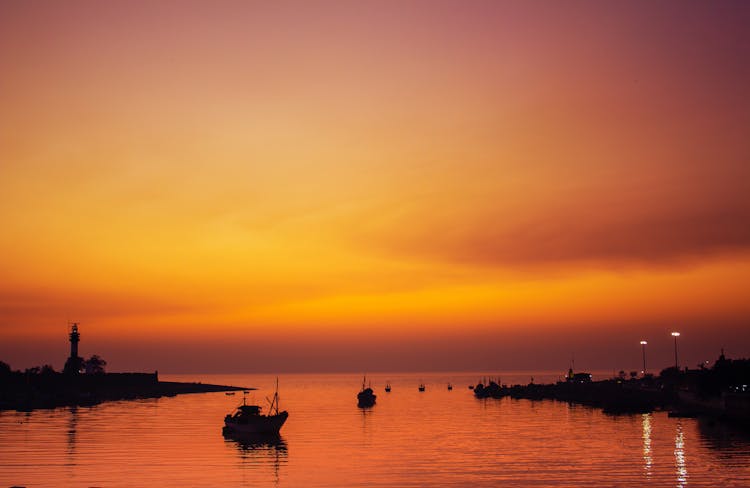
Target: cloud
603, 231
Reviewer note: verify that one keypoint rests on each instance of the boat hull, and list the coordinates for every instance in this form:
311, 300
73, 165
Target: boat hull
366, 398
262, 424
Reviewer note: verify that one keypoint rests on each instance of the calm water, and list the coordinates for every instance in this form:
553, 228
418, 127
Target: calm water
435, 438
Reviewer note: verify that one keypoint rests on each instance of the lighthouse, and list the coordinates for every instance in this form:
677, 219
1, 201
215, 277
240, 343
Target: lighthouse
74, 363
74, 338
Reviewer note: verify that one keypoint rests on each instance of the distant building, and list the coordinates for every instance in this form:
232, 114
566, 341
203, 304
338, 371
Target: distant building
577, 377
74, 364
582, 378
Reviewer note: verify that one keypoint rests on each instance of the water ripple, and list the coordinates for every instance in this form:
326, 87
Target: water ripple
435, 438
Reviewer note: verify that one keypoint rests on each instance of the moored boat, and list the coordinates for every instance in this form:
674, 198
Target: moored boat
491, 390
248, 419
366, 397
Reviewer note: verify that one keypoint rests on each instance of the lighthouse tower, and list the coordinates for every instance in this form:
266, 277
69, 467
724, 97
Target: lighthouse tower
74, 338
74, 363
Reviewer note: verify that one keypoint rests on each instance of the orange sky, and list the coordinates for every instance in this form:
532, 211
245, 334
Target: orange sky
350, 186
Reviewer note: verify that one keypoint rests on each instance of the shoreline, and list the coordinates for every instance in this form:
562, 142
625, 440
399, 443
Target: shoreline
618, 397
24, 393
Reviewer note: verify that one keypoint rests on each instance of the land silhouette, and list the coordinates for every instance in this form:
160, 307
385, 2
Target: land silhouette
85, 382
721, 391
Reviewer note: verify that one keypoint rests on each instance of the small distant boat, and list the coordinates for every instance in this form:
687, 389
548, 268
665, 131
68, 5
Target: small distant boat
388, 387
471, 387
450, 387
421, 387
229, 393
248, 419
366, 397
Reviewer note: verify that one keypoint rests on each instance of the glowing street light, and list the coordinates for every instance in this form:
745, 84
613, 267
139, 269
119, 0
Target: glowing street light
643, 345
676, 363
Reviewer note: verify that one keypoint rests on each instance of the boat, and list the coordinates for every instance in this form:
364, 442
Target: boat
421, 387
450, 387
490, 390
388, 387
366, 397
248, 419
229, 393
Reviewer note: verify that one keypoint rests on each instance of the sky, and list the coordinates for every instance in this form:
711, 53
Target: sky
374, 186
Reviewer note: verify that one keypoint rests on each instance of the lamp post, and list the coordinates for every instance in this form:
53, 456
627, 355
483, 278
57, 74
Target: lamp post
676, 363
643, 345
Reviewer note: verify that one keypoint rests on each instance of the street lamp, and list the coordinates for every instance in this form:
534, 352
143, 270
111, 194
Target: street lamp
676, 363
643, 345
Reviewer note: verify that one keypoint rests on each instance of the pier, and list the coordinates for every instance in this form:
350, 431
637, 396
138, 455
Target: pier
27, 391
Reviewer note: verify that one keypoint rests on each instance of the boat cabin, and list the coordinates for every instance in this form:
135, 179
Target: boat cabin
243, 412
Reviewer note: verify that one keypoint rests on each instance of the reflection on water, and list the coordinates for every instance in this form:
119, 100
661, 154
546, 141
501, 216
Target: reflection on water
72, 422
256, 442
646, 435
679, 456
721, 437
408, 439
258, 450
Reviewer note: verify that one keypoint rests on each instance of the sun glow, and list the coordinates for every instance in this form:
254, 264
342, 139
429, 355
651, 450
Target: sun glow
345, 172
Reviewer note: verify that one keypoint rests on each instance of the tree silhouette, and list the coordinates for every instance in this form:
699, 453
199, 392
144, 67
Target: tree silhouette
94, 365
33, 370
47, 369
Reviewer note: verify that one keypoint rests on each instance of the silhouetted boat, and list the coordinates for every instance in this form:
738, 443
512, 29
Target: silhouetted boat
248, 419
388, 387
450, 387
492, 389
366, 397
229, 393
421, 387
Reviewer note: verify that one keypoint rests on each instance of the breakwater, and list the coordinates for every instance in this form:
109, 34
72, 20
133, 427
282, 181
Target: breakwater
611, 395
615, 396
21, 391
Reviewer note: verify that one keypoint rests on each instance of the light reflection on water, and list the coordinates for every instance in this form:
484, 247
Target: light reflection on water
679, 456
435, 438
646, 425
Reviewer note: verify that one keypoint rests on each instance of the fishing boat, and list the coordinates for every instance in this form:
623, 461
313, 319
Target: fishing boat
366, 397
490, 390
388, 387
421, 387
450, 387
248, 419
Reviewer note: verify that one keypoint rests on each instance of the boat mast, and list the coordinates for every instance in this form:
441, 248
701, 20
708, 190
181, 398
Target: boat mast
275, 402
276, 396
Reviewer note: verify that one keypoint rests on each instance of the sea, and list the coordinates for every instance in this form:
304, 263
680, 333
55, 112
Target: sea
409, 438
